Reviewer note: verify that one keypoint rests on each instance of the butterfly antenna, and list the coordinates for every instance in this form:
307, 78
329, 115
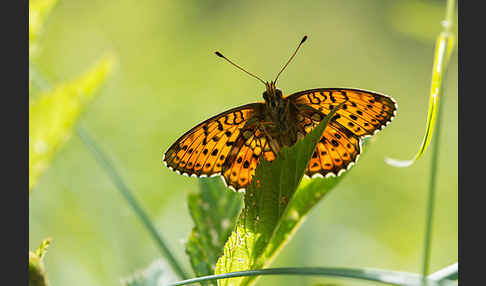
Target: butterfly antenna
293, 55
221, 56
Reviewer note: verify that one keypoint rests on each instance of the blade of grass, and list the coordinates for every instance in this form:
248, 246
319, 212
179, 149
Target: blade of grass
440, 67
118, 181
377, 275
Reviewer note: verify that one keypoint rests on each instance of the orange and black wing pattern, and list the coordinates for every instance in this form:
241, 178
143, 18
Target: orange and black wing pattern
243, 159
228, 143
362, 114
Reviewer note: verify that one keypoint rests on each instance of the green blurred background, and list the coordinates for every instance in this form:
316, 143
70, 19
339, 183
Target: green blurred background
167, 80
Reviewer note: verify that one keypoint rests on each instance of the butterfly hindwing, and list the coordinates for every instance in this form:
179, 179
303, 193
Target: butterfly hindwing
244, 157
363, 112
337, 150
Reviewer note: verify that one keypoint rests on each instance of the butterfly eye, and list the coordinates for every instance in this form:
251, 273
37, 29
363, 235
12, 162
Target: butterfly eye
265, 96
278, 93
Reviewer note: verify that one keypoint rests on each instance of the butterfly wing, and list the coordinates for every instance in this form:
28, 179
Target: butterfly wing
337, 150
362, 114
229, 143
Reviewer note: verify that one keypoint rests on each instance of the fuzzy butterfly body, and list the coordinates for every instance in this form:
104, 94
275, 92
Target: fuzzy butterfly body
232, 143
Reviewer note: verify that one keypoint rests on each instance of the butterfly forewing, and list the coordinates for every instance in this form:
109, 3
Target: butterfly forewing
227, 144
363, 113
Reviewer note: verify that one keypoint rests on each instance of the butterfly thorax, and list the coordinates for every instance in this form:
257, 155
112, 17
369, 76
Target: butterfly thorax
279, 115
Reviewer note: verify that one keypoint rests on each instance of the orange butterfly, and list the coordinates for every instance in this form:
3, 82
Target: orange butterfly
231, 143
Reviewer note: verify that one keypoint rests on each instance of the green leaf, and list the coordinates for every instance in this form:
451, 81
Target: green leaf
214, 211
52, 115
266, 224
37, 273
38, 12
157, 274
304, 199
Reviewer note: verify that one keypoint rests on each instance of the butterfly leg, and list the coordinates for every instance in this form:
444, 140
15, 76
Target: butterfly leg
271, 141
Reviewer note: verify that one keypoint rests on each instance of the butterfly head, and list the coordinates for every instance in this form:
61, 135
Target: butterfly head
272, 95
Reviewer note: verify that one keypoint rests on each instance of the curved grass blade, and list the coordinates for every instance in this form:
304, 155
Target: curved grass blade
450, 272
376, 275
447, 23
214, 211
252, 244
443, 50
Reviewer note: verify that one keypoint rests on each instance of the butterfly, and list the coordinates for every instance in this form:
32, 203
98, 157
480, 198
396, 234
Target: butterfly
232, 143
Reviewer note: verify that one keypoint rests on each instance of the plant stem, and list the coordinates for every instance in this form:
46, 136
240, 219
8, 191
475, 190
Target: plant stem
377, 275
431, 196
447, 23
117, 180
449, 15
